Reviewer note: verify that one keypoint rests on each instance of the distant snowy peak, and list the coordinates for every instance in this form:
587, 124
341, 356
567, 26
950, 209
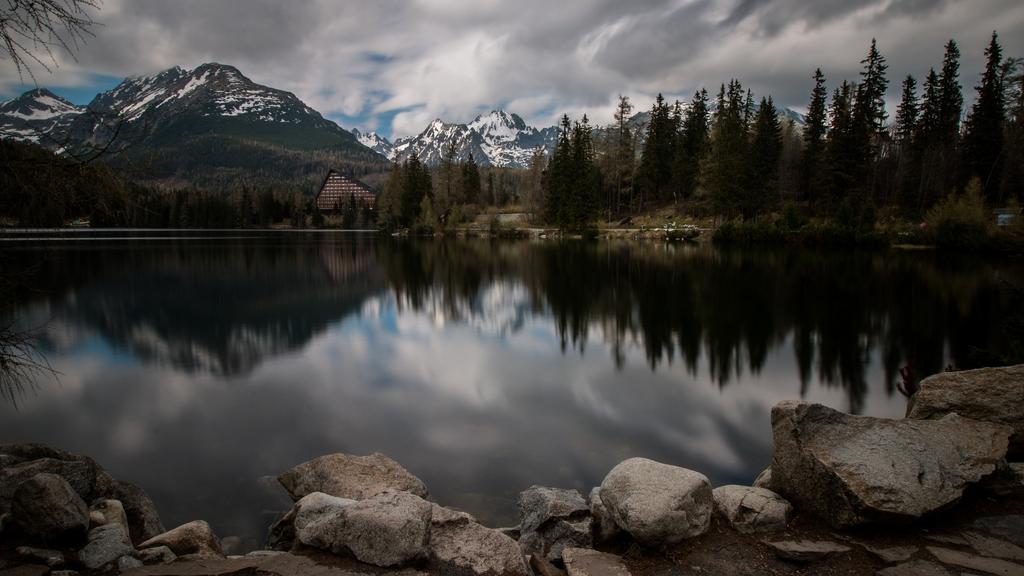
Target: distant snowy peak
36, 114
494, 139
374, 141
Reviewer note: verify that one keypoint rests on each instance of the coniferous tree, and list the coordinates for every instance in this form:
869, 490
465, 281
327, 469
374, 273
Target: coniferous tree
983, 137
726, 158
416, 185
763, 165
559, 179
841, 145
868, 120
470, 181
624, 154
583, 206
655, 172
903, 134
812, 164
692, 146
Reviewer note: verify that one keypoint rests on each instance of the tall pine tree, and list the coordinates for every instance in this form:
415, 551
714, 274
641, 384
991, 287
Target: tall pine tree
812, 163
761, 190
692, 145
983, 137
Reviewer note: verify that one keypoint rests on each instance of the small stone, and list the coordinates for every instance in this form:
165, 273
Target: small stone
231, 545
751, 509
806, 550
657, 503
552, 519
512, 532
914, 568
194, 537
891, 554
127, 563
49, 557
263, 553
108, 511
157, 555
972, 562
63, 573
26, 570
459, 545
586, 562
988, 546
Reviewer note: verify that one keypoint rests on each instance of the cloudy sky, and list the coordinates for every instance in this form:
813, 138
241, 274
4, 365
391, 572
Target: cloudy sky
392, 65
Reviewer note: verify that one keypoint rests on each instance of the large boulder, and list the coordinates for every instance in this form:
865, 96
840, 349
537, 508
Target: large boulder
46, 507
552, 519
854, 470
459, 545
751, 509
195, 538
353, 477
388, 529
106, 544
986, 394
657, 503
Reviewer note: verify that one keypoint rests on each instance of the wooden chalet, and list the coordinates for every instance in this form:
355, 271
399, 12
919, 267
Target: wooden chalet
336, 190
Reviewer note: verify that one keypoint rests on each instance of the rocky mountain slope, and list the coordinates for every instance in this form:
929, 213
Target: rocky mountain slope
37, 116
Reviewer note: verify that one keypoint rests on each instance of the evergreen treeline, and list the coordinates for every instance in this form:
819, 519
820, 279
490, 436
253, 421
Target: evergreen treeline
737, 158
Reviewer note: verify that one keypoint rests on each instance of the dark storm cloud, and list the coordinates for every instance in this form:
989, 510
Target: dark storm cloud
396, 65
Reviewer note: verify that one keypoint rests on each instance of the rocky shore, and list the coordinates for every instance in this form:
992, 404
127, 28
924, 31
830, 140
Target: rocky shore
940, 492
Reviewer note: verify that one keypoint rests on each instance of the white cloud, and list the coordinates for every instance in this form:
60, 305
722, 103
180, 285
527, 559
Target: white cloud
405, 63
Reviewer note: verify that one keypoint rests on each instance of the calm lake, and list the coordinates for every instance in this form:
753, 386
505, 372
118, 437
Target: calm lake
201, 365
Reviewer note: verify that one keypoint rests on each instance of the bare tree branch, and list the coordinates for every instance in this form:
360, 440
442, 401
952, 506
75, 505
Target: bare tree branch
31, 30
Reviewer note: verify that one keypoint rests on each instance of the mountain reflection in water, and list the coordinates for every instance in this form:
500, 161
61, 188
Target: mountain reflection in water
199, 368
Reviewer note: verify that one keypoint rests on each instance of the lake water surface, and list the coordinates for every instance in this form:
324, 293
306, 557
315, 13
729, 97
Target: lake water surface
201, 365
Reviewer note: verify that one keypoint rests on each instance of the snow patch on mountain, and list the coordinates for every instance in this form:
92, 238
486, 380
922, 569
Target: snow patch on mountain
36, 115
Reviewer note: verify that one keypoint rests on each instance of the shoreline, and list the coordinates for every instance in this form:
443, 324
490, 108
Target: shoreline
367, 513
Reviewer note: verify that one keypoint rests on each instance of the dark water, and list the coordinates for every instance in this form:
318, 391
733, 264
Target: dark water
200, 366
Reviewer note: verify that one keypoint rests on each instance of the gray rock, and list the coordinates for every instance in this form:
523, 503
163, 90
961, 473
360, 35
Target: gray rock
231, 545
263, 553
806, 550
657, 503
989, 546
388, 529
86, 477
51, 558
891, 554
605, 528
552, 519
106, 544
47, 507
512, 532
157, 555
954, 539
751, 509
353, 477
63, 573
1009, 527
127, 563
986, 394
584, 562
459, 545
972, 562
854, 470
192, 538
764, 479
914, 568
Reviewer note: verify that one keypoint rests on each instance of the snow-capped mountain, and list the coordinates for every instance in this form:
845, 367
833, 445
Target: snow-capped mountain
495, 139
374, 141
38, 116
210, 99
